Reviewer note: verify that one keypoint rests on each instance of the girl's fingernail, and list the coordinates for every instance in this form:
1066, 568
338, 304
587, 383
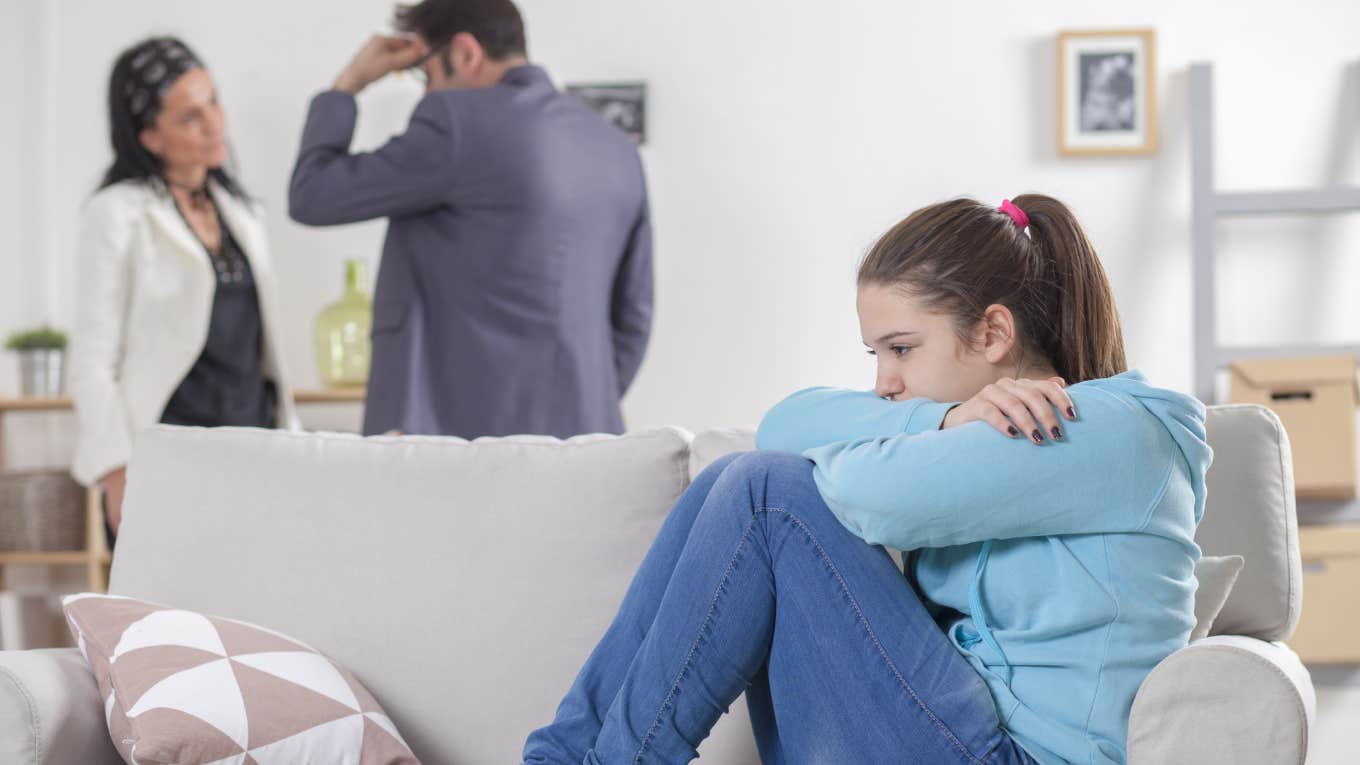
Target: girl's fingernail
1071, 413
1037, 436
1011, 429
1057, 432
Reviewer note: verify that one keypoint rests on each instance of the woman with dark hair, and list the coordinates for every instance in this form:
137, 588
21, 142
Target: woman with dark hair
1046, 497
176, 296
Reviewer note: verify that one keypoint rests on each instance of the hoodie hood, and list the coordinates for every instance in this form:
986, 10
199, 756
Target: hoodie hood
1183, 417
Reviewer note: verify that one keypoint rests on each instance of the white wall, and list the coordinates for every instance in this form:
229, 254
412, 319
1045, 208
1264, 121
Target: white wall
784, 138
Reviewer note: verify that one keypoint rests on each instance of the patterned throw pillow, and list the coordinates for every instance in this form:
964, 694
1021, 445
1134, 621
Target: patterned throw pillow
181, 687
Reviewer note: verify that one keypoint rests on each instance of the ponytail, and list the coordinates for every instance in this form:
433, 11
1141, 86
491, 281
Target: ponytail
1085, 341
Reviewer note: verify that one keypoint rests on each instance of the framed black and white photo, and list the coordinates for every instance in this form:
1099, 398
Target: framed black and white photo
624, 104
1107, 92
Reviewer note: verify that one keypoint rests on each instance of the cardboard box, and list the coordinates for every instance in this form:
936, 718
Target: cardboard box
1329, 626
1315, 399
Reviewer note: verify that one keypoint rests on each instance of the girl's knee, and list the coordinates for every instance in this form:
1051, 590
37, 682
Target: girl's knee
717, 467
764, 466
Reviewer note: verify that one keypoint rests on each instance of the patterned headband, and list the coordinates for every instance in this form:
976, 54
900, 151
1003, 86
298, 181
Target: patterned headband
154, 68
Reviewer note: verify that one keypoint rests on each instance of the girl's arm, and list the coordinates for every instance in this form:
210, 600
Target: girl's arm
971, 483
819, 416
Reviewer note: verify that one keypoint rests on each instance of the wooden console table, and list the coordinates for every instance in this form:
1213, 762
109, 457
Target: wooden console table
96, 556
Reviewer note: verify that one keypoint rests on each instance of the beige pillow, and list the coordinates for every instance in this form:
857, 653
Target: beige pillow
1216, 575
180, 687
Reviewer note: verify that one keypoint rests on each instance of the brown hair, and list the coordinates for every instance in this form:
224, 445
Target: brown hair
961, 256
497, 24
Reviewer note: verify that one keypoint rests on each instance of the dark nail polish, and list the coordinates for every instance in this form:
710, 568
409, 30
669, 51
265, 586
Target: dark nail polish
1037, 436
1011, 429
1057, 432
1071, 413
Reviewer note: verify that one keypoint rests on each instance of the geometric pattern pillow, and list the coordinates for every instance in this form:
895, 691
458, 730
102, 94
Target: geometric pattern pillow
181, 687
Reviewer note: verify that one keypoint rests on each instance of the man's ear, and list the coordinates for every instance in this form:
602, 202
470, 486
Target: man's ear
997, 333
467, 53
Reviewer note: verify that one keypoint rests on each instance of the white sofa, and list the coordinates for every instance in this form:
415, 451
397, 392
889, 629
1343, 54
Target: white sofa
464, 583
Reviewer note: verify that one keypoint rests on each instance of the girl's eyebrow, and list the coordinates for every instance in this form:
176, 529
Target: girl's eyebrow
891, 335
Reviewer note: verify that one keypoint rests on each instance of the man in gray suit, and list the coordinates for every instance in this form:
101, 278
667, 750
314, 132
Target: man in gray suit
515, 291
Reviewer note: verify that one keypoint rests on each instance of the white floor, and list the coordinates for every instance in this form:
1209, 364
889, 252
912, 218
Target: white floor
1333, 741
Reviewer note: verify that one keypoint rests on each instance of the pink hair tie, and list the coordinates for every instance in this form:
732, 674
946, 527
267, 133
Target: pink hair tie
1017, 215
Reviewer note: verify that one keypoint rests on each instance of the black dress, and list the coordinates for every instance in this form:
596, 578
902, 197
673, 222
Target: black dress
226, 385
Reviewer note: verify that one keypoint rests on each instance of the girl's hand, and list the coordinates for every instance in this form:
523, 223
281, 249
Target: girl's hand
1017, 406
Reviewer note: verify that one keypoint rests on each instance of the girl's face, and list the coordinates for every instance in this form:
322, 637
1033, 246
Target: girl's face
189, 134
918, 353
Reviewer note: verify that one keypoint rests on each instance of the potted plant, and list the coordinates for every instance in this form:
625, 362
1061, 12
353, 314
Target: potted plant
41, 360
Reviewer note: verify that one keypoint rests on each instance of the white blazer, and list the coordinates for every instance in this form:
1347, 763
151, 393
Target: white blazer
145, 294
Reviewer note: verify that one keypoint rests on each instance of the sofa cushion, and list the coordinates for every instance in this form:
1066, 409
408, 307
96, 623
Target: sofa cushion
50, 710
712, 444
1216, 575
1250, 512
178, 686
463, 583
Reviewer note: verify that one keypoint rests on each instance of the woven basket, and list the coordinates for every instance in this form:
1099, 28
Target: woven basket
41, 510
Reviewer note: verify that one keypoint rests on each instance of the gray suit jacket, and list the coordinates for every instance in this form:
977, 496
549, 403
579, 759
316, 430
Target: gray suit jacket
515, 291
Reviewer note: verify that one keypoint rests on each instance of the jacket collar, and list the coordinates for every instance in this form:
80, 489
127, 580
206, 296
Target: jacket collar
243, 222
526, 76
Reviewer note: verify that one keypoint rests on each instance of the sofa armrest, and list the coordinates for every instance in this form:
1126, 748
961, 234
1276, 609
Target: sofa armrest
50, 710
1224, 699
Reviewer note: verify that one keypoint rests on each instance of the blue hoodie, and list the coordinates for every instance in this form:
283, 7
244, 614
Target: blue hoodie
1063, 572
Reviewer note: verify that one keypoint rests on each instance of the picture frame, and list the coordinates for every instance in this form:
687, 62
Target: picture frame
1107, 92
624, 104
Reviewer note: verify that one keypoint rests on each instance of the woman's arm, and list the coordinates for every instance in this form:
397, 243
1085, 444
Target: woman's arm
819, 416
971, 483
104, 440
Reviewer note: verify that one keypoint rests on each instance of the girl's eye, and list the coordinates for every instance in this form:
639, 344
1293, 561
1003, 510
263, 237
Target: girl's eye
900, 350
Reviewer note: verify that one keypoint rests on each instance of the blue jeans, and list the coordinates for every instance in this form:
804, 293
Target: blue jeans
753, 585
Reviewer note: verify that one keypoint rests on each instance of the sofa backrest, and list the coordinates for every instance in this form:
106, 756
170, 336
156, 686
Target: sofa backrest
1249, 512
464, 583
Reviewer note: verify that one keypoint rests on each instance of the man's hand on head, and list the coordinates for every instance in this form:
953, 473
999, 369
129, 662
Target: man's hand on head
379, 56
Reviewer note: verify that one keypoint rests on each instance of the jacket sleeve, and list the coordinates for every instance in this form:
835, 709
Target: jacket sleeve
631, 301
820, 416
104, 439
409, 174
971, 483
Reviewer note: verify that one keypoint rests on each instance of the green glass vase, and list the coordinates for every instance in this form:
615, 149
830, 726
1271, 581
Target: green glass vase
343, 346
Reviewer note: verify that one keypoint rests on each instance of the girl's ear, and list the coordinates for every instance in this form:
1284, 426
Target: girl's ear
997, 333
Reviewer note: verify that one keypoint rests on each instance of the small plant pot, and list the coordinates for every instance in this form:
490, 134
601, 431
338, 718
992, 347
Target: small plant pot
41, 372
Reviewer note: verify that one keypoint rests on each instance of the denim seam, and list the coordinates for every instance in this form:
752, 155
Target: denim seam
878, 645
694, 646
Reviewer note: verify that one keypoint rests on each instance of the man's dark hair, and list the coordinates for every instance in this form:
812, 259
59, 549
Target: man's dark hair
496, 24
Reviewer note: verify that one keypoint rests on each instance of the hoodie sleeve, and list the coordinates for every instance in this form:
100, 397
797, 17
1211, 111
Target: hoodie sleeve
971, 483
819, 416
